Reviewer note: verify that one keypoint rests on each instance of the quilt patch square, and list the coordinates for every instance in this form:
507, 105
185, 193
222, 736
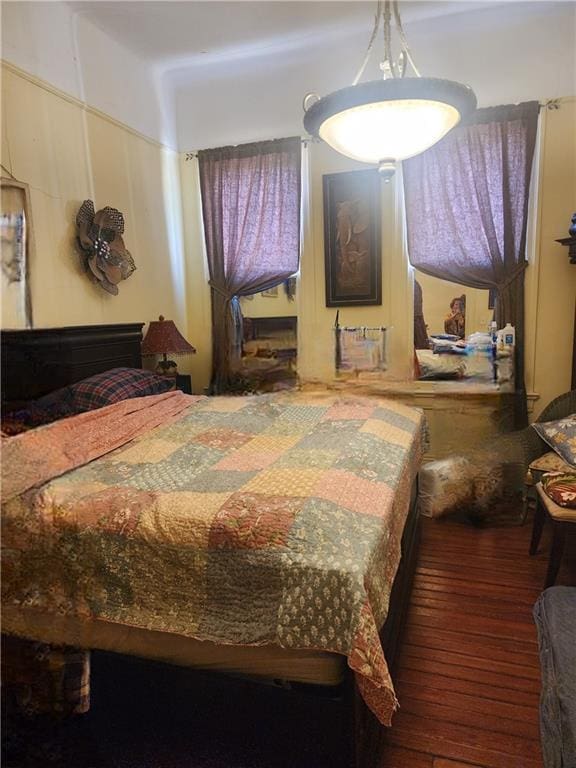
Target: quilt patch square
146, 451
243, 589
318, 608
305, 415
177, 473
109, 510
349, 410
247, 461
395, 418
354, 493
285, 482
312, 459
253, 521
330, 435
388, 432
224, 404
218, 481
222, 439
182, 518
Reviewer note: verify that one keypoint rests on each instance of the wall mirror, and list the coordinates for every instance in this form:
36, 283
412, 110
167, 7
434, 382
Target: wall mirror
451, 323
16, 238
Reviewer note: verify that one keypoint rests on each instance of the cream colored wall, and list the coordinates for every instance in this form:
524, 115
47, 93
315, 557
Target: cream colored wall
550, 278
437, 295
67, 152
316, 321
197, 289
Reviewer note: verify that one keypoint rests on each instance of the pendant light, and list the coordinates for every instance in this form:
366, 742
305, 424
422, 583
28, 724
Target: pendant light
388, 120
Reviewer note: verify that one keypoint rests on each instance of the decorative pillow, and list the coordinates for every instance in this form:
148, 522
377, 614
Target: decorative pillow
560, 436
561, 488
115, 385
550, 462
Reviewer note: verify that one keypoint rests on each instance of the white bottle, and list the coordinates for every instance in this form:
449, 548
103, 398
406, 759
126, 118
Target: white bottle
509, 335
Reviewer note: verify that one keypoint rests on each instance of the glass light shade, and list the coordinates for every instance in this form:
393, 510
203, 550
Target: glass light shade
384, 121
389, 130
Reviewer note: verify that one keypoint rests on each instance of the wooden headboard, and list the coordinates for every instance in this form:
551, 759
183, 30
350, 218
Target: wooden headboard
39, 361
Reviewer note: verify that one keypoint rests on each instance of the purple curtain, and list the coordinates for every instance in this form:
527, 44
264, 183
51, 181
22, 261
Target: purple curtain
420, 328
251, 210
467, 209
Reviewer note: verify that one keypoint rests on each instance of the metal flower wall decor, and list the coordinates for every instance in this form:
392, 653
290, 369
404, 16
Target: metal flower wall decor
100, 241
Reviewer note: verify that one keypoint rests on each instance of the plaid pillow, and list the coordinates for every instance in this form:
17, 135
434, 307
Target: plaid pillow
115, 385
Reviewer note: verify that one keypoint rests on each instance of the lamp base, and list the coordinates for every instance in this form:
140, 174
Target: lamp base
167, 368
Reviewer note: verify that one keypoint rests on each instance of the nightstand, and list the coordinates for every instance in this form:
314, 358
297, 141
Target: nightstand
184, 382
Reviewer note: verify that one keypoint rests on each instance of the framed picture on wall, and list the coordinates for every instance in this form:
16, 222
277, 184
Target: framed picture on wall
15, 250
352, 238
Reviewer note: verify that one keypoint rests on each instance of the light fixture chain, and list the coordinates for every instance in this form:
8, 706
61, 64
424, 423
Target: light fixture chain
377, 17
388, 66
403, 40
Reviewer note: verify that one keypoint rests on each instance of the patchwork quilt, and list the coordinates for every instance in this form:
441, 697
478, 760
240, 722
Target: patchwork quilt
240, 520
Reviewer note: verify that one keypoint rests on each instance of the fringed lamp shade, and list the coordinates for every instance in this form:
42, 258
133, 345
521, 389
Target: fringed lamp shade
163, 338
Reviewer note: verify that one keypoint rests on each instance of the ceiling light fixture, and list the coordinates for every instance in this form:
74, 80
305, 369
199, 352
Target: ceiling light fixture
385, 121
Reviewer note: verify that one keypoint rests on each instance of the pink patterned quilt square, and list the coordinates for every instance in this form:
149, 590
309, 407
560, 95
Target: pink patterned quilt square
354, 493
253, 521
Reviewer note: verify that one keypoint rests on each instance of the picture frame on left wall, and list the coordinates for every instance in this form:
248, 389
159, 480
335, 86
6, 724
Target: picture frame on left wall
16, 244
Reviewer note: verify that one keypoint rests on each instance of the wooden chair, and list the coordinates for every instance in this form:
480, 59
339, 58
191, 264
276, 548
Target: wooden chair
561, 517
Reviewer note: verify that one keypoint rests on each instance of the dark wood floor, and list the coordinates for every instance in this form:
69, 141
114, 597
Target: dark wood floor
468, 677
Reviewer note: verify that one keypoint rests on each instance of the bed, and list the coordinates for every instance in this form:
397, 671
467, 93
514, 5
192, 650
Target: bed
299, 553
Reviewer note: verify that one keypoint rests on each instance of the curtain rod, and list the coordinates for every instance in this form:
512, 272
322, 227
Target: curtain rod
305, 140
360, 328
551, 104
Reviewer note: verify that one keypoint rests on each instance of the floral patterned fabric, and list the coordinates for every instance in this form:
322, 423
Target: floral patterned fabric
561, 436
248, 521
34, 457
549, 462
561, 488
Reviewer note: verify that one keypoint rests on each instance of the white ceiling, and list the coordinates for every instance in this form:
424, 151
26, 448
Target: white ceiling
232, 72
175, 35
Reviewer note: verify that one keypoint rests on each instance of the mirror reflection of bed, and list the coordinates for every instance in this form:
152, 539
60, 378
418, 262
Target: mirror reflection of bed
451, 324
270, 339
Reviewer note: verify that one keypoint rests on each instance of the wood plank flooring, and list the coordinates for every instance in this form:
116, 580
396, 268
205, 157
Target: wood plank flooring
468, 677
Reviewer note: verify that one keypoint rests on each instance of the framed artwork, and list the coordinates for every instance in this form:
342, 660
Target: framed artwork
352, 238
15, 250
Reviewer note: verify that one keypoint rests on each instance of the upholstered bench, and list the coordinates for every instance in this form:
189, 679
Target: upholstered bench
555, 617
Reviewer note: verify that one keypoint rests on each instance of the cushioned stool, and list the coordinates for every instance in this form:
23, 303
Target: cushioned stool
561, 517
548, 462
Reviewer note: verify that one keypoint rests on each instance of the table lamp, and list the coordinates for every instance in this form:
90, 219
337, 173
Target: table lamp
162, 338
